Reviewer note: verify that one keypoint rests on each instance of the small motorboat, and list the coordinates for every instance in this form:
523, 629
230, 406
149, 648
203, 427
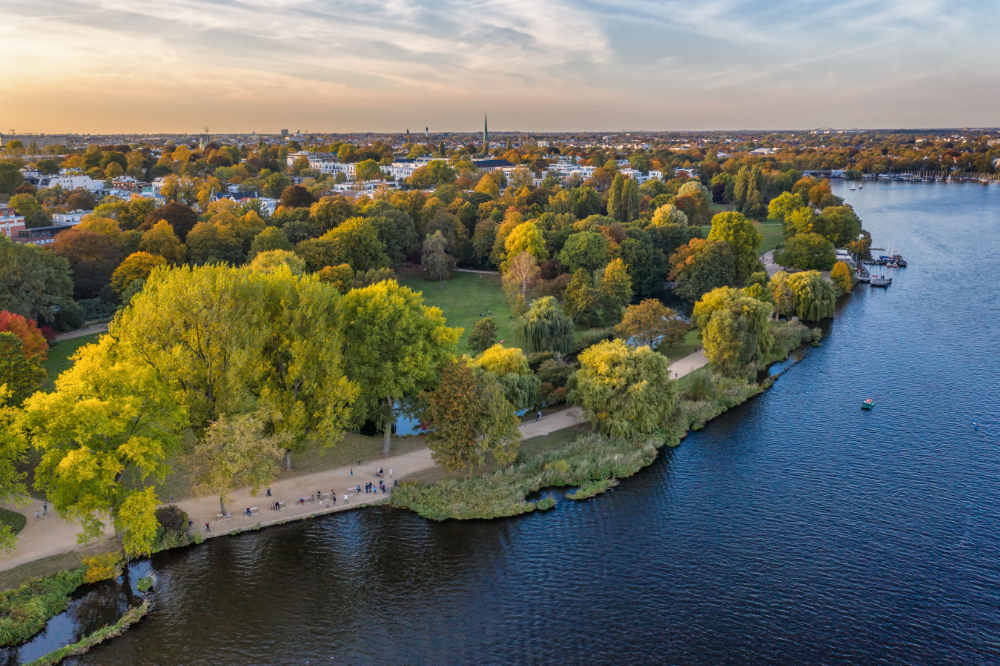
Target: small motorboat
868, 405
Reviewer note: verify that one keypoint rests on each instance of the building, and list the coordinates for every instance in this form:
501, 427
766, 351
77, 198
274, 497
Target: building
70, 219
66, 182
11, 224
37, 139
491, 165
486, 137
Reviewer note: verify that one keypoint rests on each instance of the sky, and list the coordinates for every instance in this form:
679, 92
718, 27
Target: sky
124, 66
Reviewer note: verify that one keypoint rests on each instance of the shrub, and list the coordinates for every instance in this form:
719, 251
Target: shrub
555, 372
172, 518
102, 567
25, 610
699, 387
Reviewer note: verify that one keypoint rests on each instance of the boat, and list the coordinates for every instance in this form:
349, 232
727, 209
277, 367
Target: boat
880, 281
868, 405
863, 276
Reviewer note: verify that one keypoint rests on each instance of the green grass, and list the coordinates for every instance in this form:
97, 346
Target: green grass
25, 610
685, 348
463, 298
773, 235
59, 358
16, 521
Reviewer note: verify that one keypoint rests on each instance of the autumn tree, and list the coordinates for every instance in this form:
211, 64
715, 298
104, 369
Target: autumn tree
341, 277
651, 324
743, 238
181, 219
92, 256
296, 196
20, 374
624, 392
273, 260
525, 237
841, 276
700, 266
614, 290
354, 242
735, 329
12, 450
237, 452
520, 280
510, 367
162, 241
483, 336
393, 345
271, 238
137, 266
34, 344
581, 300
467, 418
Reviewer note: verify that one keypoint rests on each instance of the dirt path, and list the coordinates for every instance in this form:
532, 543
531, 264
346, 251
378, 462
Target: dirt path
100, 328
52, 535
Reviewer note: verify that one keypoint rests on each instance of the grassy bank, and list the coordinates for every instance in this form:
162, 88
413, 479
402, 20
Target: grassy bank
131, 616
16, 521
25, 610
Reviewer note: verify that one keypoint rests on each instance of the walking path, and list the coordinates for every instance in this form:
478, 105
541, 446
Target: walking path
52, 535
100, 328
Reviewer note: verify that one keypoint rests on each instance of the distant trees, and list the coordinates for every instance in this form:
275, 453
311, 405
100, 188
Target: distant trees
436, 258
162, 241
807, 251
181, 219
651, 324
137, 266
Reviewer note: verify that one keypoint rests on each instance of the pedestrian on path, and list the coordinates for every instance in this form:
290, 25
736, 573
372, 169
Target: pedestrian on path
38, 516
268, 492
45, 508
390, 472
345, 499
207, 528
352, 471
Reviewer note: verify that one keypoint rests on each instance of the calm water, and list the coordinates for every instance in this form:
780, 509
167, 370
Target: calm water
794, 529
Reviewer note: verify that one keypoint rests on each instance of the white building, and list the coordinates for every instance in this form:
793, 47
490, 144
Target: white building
69, 219
68, 182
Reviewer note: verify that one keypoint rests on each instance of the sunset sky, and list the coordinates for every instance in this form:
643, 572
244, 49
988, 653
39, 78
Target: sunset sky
558, 65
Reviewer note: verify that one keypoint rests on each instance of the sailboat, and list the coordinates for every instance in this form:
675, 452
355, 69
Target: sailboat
852, 188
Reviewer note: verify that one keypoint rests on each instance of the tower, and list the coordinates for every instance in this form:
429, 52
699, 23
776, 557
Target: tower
486, 137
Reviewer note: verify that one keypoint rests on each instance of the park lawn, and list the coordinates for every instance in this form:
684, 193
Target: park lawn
14, 520
685, 348
59, 358
715, 208
462, 299
773, 235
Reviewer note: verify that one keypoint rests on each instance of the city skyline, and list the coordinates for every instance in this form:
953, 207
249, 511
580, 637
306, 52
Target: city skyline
100, 66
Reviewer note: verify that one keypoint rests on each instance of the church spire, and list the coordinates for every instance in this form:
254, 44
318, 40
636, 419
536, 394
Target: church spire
486, 136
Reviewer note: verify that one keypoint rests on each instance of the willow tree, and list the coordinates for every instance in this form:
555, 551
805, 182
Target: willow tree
814, 297
735, 329
544, 328
393, 347
509, 366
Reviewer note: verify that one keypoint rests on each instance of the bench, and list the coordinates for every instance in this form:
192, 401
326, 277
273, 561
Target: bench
327, 496
223, 516
254, 510
278, 506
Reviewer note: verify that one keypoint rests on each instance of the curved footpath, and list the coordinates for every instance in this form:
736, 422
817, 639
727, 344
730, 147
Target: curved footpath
52, 536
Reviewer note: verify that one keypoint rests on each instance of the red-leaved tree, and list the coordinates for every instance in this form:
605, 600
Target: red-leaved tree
34, 342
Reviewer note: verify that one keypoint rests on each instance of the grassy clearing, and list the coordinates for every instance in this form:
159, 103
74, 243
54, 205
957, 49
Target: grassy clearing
773, 235
16, 521
131, 616
685, 348
462, 298
591, 461
59, 358
25, 610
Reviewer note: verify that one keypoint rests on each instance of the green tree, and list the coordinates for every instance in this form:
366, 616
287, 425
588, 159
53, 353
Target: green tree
840, 225
330, 212
105, 436
396, 231
630, 200
625, 393
617, 208
735, 329
614, 289
544, 328
651, 324
509, 366
393, 347
271, 238
33, 282
586, 249
12, 450
814, 297
367, 170
701, 266
483, 336
272, 260
743, 238
468, 418
355, 242
236, 452
436, 258
10, 177
807, 251
783, 205
20, 375
211, 243
647, 266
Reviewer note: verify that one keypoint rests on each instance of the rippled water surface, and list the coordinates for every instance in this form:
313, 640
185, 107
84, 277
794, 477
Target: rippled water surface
795, 529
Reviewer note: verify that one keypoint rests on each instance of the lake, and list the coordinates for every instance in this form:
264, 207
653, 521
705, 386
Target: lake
794, 529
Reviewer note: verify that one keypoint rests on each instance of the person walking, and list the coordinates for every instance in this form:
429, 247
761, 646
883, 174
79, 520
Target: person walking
45, 508
390, 472
352, 471
207, 528
345, 499
38, 516
268, 492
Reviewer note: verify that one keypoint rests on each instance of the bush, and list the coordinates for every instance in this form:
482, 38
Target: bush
699, 387
172, 518
25, 610
145, 584
592, 337
102, 567
555, 372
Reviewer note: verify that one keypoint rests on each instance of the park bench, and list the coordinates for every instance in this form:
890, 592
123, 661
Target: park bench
279, 506
254, 510
223, 516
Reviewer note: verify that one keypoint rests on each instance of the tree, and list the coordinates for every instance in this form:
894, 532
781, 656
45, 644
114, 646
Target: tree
783, 205
807, 251
646, 264
630, 200
236, 452
614, 290
20, 375
33, 282
525, 237
841, 276
483, 336
229, 340
509, 366
814, 297
651, 324
340, 277
397, 232
105, 435
272, 260
296, 196
581, 301
840, 225
330, 212
735, 329
586, 249
393, 347
743, 238
367, 170
275, 185
701, 266
544, 328
520, 280
92, 256
34, 344
180, 218
616, 206
137, 266
467, 418
354, 242
162, 241
668, 214
436, 258
271, 238
624, 392
12, 449
211, 243
487, 185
